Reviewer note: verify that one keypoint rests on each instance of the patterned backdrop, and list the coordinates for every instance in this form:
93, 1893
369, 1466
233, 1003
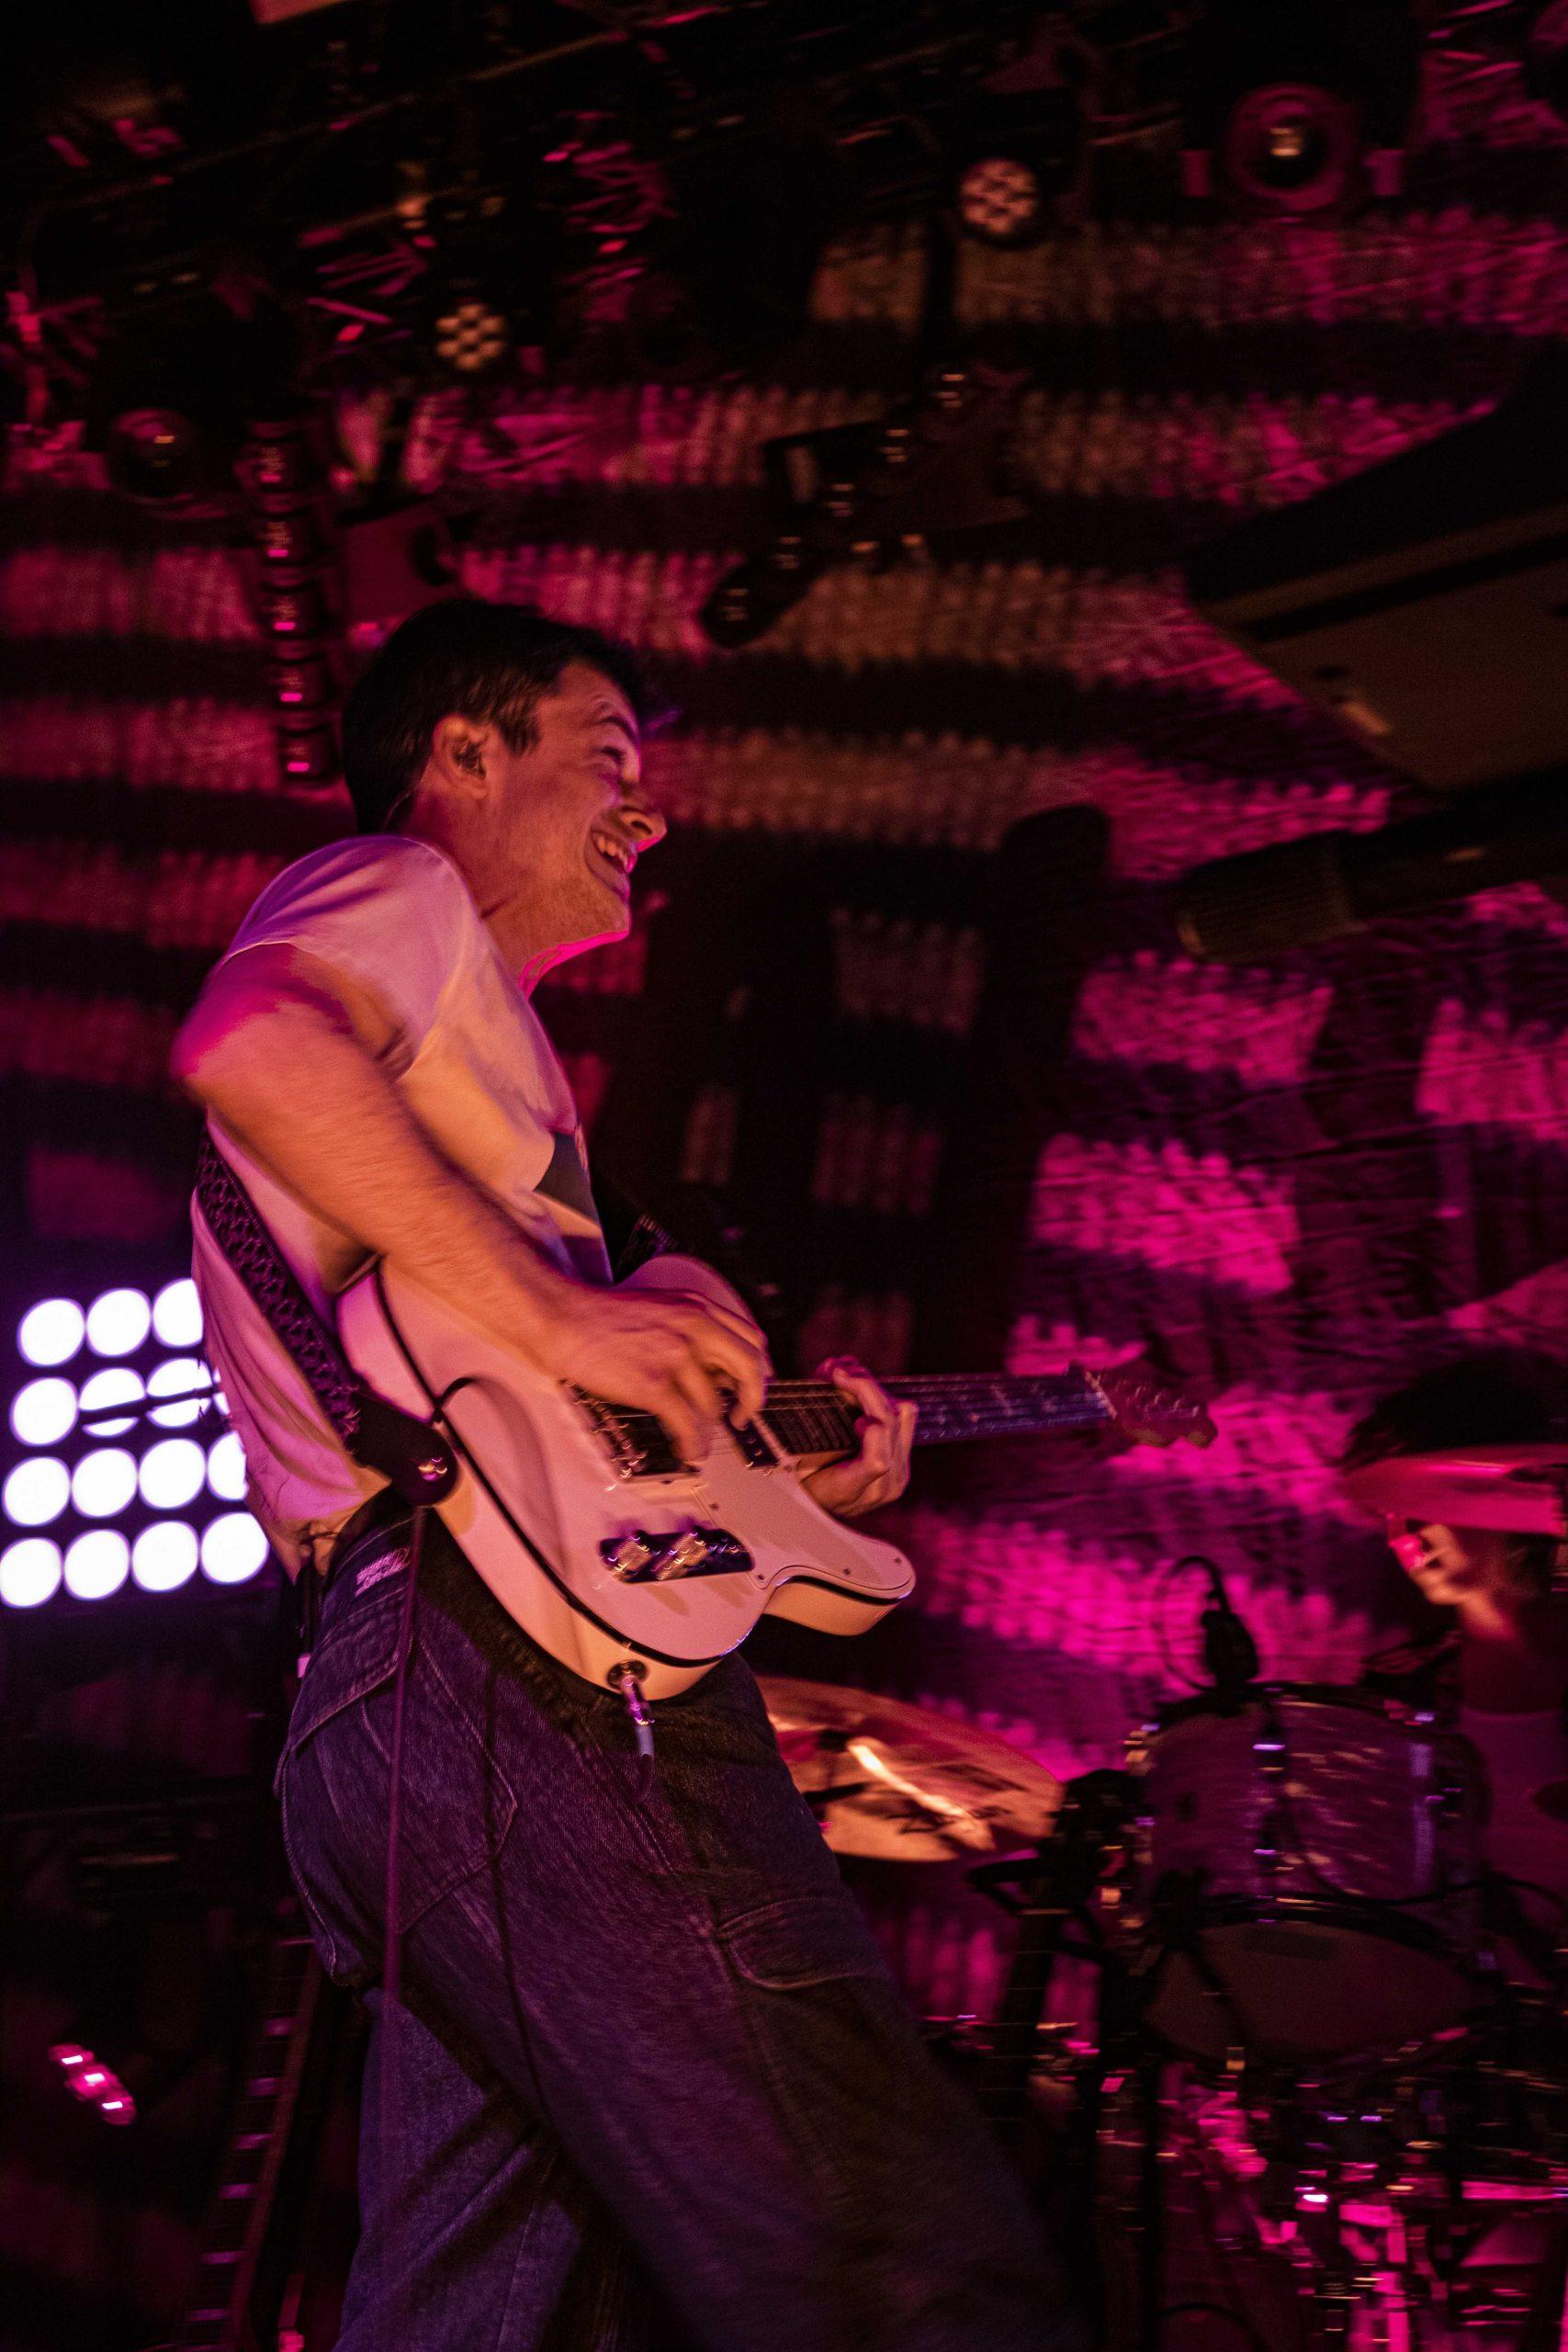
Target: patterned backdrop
1035, 1126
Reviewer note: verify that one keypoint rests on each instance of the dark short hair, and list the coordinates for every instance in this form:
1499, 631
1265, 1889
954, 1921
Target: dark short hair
493, 664
1494, 1397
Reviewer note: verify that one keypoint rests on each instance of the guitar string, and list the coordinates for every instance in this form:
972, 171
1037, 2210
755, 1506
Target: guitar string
979, 1403
941, 1389
944, 1382
836, 1408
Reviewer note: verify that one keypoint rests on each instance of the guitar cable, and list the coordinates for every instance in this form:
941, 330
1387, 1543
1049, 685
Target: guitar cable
391, 1956
391, 1933
628, 1681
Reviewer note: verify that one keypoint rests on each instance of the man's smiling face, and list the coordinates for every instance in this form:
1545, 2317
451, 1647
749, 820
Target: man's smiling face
572, 819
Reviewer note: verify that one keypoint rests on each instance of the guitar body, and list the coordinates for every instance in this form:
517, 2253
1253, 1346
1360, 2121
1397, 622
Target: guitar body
550, 1493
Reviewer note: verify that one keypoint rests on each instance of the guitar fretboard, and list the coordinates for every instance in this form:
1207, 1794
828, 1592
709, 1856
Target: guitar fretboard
815, 1417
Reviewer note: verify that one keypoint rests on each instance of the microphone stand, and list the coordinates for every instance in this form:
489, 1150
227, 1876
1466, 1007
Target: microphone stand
1231, 1661
1230, 1653
1046, 1890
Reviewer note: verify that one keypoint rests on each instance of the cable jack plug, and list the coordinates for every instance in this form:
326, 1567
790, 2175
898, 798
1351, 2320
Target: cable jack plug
628, 1681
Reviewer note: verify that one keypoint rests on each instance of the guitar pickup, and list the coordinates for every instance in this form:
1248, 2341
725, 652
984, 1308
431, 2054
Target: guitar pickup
644, 1558
756, 1451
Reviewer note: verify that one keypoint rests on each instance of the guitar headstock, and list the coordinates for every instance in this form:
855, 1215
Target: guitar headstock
1148, 1411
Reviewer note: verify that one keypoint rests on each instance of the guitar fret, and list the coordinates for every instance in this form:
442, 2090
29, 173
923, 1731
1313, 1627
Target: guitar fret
814, 1416
811, 1428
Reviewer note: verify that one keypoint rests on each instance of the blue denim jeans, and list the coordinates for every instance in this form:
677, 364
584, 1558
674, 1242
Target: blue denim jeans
643, 2045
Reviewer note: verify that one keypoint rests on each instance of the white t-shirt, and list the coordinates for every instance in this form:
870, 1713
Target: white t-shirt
476, 1070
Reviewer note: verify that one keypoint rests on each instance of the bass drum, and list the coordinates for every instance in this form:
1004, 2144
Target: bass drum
1307, 1874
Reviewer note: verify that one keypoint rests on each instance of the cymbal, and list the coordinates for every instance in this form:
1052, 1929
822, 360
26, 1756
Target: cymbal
892, 1782
1516, 1489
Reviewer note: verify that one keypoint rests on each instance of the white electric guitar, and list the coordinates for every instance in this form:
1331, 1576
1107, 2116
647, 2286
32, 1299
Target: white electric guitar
615, 1556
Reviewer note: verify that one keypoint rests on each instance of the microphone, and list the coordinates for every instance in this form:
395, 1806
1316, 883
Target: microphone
1230, 1653
1303, 893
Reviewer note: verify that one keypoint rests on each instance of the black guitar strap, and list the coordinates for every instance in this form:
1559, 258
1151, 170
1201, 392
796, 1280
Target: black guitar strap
631, 1235
414, 1459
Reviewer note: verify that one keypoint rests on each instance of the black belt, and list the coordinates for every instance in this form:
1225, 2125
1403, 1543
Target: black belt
386, 1507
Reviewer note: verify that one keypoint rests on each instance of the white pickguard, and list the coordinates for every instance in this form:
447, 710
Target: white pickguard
539, 1493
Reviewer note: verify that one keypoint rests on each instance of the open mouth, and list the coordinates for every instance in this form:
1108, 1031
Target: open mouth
613, 858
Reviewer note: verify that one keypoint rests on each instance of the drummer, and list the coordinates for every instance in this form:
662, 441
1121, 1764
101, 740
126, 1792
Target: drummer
1503, 1659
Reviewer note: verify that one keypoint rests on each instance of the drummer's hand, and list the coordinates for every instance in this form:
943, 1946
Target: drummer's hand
879, 1471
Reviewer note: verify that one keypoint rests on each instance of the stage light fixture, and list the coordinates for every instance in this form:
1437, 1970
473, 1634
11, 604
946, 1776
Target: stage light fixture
103, 1482
1017, 145
1299, 112
117, 1384
234, 1548
97, 2085
869, 490
36, 1492
291, 541
97, 1564
487, 278
29, 1573
176, 1314
308, 755
276, 467
226, 1472
469, 334
118, 1321
174, 1378
304, 687
52, 1333
158, 456
43, 1412
172, 1473
165, 1556
296, 607
155, 1524
292, 609
1290, 148
175, 382
155, 455
1000, 201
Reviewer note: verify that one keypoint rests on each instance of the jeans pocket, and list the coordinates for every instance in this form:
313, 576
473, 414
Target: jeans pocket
801, 1939
349, 1658
453, 1805
828, 2026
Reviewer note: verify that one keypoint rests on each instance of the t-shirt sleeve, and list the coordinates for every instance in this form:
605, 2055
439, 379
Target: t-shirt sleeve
390, 914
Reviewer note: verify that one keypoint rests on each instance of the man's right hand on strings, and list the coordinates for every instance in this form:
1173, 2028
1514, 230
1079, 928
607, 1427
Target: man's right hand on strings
671, 1353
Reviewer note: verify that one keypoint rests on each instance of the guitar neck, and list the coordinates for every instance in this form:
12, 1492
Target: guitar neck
814, 1417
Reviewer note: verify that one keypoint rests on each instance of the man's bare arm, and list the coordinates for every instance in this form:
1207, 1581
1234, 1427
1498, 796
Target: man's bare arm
283, 1052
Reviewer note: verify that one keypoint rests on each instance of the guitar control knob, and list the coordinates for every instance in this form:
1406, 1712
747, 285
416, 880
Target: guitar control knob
644, 1558
683, 1557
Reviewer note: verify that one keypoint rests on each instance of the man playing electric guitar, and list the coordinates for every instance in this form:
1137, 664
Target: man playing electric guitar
639, 2026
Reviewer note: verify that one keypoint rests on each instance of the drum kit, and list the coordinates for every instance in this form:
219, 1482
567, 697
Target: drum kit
1305, 2025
